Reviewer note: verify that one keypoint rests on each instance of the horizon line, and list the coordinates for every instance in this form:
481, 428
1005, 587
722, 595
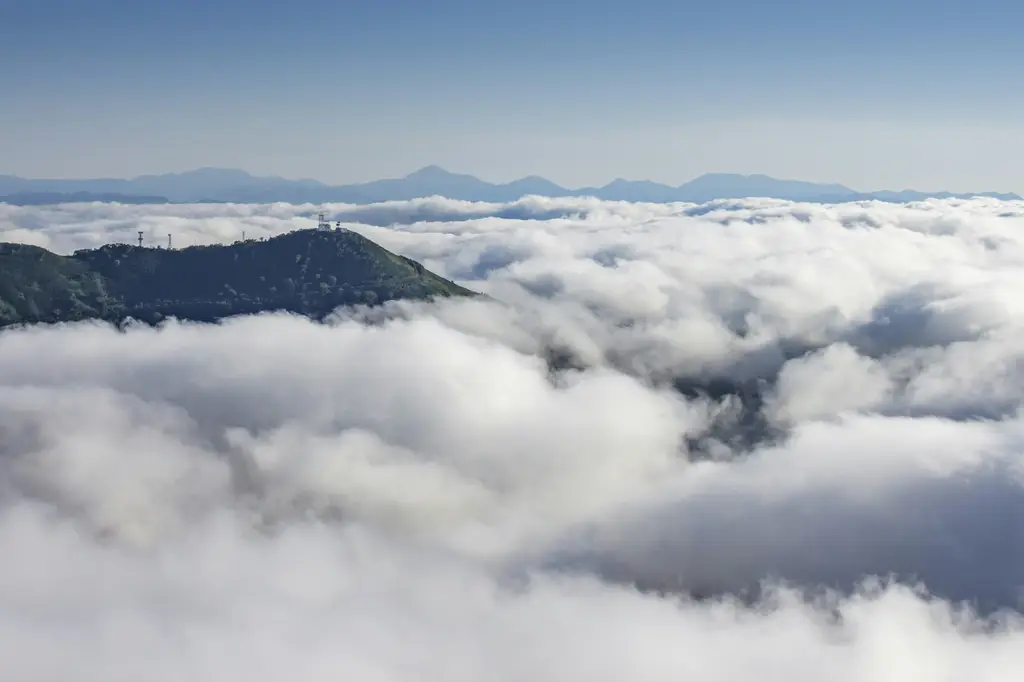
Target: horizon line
437, 167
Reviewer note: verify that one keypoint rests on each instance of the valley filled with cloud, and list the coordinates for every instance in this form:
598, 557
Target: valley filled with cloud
740, 440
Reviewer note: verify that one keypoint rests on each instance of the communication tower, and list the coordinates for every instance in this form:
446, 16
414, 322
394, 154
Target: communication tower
168, 242
322, 223
140, 239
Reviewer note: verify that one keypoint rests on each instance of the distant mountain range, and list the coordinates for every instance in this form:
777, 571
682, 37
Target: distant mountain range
218, 185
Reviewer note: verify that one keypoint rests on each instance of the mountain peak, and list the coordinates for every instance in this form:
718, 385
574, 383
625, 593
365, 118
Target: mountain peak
430, 172
534, 184
531, 178
623, 182
734, 185
204, 173
735, 177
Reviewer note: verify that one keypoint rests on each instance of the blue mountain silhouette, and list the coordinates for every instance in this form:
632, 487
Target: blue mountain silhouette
233, 185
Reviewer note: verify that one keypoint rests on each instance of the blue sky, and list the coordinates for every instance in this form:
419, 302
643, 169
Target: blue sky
873, 94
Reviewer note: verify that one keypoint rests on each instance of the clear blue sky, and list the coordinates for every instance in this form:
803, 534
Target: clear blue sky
873, 93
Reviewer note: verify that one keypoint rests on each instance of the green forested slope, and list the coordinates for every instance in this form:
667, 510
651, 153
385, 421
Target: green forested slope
307, 272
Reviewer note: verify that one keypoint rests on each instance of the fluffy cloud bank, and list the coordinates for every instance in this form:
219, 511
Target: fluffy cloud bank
782, 441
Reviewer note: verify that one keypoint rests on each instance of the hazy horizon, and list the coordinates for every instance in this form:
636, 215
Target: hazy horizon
872, 95
402, 174
499, 180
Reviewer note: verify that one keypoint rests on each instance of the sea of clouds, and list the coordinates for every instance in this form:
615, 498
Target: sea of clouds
743, 440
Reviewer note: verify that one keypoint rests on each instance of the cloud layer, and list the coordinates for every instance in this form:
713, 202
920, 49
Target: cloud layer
736, 440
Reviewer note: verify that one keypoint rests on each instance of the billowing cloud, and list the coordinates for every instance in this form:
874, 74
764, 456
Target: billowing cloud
744, 439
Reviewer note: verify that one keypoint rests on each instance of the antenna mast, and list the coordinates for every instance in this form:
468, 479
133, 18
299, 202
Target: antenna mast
168, 241
322, 223
140, 239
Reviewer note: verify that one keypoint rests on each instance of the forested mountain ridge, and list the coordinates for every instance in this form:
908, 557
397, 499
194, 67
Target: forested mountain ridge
309, 272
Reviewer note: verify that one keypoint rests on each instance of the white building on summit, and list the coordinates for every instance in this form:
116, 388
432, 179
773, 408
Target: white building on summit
324, 225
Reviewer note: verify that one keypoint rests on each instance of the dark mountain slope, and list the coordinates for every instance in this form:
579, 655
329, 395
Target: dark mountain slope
308, 272
39, 286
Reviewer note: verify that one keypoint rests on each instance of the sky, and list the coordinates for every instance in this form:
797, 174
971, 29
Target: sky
874, 94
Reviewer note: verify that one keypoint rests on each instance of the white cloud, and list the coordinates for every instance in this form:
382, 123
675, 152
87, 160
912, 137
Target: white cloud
421, 498
833, 380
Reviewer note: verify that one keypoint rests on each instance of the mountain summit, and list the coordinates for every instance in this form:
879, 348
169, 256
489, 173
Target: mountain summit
309, 272
433, 173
